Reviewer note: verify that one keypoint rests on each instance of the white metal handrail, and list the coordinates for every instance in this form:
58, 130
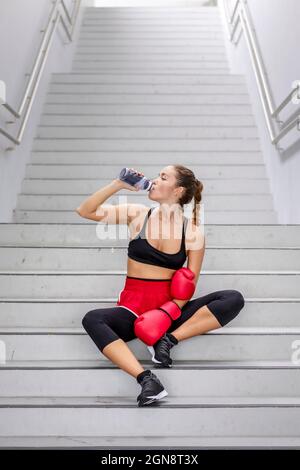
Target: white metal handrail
58, 12
277, 128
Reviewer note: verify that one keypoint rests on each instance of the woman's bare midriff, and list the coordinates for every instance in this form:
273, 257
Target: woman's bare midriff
149, 271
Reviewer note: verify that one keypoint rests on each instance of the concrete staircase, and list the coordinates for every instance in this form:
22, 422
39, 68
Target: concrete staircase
148, 87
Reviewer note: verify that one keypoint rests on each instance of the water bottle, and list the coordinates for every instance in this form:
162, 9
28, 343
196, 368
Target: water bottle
132, 178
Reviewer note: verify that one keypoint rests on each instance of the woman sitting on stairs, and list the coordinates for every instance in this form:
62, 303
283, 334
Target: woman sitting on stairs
152, 262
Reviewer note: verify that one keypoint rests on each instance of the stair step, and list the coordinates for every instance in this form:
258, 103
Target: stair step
145, 89
144, 24
84, 284
160, 11
175, 99
153, 442
143, 120
68, 313
201, 52
83, 187
148, 109
213, 202
173, 14
197, 27
189, 61
195, 18
126, 17
211, 217
152, 31
219, 379
84, 235
144, 144
216, 61
222, 422
236, 364
41, 258
162, 66
152, 40
152, 78
129, 402
207, 347
100, 171
202, 28
153, 132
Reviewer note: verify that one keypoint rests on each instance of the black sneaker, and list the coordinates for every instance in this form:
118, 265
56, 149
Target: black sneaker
152, 390
161, 350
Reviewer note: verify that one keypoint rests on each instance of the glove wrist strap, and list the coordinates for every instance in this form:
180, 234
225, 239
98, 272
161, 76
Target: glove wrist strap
168, 312
165, 311
175, 304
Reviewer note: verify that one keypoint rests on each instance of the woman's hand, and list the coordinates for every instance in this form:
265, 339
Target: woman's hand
124, 185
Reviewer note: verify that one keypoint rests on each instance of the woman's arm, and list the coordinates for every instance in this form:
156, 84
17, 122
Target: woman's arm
94, 209
91, 207
195, 258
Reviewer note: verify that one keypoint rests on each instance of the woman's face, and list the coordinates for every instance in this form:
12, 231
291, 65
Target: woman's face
164, 186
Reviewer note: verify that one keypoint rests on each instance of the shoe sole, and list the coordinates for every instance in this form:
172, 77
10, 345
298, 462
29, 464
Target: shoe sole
159, 396
162, 366
151, 349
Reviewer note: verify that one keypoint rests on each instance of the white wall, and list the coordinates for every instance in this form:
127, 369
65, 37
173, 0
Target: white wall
20, 36
276, 24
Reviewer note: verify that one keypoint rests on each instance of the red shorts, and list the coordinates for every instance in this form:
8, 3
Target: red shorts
140, 295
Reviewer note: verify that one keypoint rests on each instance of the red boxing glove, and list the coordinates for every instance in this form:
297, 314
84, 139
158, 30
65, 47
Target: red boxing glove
150, 326
183, 284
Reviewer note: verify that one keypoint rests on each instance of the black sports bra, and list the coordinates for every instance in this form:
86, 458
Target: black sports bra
140, 250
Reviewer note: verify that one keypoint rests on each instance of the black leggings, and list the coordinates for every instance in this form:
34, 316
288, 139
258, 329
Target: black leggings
105, 325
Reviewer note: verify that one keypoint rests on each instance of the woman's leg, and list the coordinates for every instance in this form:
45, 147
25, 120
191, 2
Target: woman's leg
110, 328
207, 313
